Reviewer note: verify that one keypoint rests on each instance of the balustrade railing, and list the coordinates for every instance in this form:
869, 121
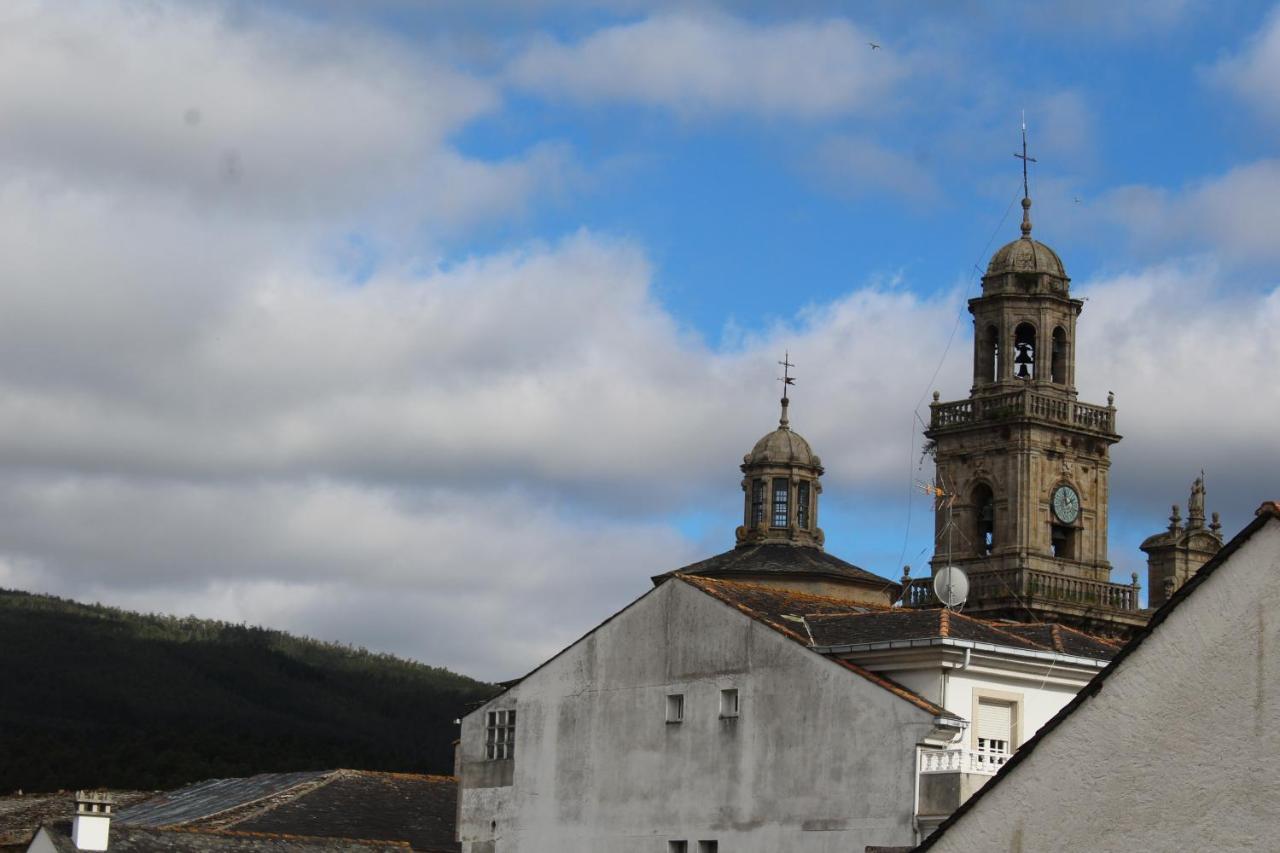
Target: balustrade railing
961, 760
1024, 403
1025, 584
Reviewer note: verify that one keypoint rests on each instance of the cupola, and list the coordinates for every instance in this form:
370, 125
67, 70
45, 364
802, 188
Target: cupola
780, 486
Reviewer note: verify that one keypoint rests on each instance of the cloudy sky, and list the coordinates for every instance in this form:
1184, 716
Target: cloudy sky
439, 329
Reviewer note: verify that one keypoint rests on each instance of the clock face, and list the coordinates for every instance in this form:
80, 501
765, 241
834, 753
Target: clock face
1066, 504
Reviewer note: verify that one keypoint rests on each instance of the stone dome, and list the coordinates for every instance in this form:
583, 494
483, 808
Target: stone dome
782, 447
1025, 255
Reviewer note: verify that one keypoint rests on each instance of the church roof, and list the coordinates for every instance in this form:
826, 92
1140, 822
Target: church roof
782, 446
415, 809
782, 560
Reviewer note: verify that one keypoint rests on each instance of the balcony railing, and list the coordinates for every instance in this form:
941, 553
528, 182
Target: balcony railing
961, 760
1026, 584
1024, 403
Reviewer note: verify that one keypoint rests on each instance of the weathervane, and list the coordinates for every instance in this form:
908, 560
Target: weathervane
1026, 190
786, 379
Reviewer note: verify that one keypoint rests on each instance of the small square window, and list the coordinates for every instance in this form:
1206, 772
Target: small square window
677, 847
675, 708
708, 847
729, 702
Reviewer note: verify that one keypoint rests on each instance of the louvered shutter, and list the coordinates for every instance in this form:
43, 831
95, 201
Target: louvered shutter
995, 722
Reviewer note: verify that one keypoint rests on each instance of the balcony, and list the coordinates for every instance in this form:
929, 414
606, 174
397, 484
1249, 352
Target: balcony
1027, 585
961, 760
948, 777
1024, 403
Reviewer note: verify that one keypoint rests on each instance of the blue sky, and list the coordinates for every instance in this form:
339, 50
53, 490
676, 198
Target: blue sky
441, 327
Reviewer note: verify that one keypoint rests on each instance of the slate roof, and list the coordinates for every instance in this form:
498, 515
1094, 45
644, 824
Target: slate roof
1269, 511
909, 624
785, 560
418, 810
22, 814
1062, 638
128, 839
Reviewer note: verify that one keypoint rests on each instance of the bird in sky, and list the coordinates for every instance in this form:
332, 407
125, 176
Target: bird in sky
874, 46
1077, 199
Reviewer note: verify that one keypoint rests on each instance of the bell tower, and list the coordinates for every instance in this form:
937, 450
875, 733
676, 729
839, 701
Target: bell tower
1022, 465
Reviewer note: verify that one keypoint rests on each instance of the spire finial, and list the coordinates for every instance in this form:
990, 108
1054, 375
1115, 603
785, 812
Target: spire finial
1026, 187
786, 379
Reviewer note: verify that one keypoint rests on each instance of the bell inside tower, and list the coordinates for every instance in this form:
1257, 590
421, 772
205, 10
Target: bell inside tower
1024, 345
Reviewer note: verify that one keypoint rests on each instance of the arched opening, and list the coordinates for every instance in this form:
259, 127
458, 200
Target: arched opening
989, 355
984, 514
1059, 362
757, 504
1024, 347
802, 505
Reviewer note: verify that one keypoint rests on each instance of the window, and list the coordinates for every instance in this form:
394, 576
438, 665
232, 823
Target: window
757, 503
729, 702
708, 847
500, 735
993, 734
781, 513
675, 708
988, 367
802, 505
677, 847
985, 517
1064, 542
1058, 365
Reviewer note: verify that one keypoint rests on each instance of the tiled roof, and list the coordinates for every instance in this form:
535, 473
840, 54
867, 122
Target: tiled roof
129, 839
1062, 638
908, 624
341, 804
787, 560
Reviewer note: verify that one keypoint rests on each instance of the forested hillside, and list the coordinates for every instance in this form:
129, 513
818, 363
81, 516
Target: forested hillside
95, 696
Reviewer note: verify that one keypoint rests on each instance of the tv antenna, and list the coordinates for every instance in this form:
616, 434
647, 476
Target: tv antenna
950, 584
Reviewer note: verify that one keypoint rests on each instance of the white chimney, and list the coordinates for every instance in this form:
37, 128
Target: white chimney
92, 823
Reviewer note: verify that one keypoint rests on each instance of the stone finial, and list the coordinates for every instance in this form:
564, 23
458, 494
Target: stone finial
1111, 399
937, 395
1216, 525
783, 421
1026, 217
1175, 519
1133, 577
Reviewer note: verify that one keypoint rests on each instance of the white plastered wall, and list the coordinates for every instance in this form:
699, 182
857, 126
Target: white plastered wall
1178, 749
820, 759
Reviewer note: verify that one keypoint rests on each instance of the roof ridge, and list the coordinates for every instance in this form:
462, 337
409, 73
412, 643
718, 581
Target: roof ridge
944, 622
994, 626
841, 602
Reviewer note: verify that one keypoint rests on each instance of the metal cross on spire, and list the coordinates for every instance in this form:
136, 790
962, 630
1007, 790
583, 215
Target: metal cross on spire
1026, 189
1026, 192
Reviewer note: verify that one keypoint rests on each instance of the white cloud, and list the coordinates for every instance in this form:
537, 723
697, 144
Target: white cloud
262, 114
714, 63
1232, 214
1252, 73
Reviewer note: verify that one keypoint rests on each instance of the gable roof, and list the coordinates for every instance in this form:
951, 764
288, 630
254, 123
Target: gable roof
1063, 638
783, 560
767, 605
417, 810
1269, 511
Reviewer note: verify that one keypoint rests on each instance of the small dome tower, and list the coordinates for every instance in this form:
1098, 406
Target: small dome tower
781, 487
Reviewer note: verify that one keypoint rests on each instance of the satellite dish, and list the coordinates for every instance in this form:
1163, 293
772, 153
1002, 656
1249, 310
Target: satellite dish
951, 586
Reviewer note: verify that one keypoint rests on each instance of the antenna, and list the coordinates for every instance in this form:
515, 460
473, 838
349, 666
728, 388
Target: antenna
951, 585
801, 620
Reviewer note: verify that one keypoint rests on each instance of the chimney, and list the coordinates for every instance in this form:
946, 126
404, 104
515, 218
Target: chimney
92, 823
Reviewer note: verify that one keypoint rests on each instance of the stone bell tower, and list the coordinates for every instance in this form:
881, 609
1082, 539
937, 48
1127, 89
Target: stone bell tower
1022, 465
